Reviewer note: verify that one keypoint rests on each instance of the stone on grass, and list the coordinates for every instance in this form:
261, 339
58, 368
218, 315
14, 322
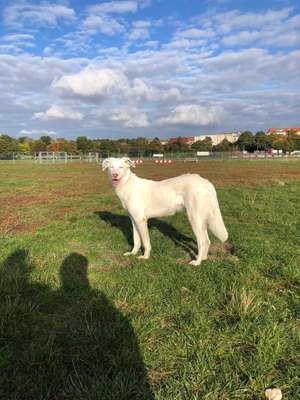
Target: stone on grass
273, 394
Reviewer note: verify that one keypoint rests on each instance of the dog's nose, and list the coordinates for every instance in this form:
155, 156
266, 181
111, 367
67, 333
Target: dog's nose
114, 175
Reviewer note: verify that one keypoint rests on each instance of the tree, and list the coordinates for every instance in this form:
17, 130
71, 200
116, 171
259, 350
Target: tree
155, 146
295, 138
276, 141
138, 146
203, 145
108, 146
24, 147
24, 139
177, 147
8, 144
261, 140
246, 141
68, 145
225, 145
54, 147
288, 145
123, 146
62, 144
46, 139
38, 146
84, 144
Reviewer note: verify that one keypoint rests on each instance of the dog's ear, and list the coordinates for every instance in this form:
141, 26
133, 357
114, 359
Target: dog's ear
105, 164
129, 162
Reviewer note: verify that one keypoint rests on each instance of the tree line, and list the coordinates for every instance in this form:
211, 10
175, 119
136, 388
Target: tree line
143, 147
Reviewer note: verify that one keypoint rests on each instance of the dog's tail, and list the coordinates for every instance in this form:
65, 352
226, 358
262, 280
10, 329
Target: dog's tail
216, 223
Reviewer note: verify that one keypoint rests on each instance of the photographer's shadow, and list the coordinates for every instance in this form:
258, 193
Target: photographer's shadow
102, 343
123, 223
74, 344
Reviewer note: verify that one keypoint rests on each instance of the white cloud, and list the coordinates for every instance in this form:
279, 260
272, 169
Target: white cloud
193, 115
14, 43
151, 43
235, 20
103, 24
93, 83
36, 132
282, 33
114, 7
141, 24
56, 113
140, 90
184, 43
130, 117
194, 33
9, 48
249, 69
27, 73
15, 37
138, 34
277, 28
100, 19
171, 95
241, 38
44, 14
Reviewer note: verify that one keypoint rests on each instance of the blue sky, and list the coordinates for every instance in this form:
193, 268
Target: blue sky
150, 68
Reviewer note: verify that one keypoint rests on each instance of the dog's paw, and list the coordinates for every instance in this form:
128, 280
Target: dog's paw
143, 257
195, 263
128, 253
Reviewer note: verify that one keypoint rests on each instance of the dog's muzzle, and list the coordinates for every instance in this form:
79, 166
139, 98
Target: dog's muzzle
115, 179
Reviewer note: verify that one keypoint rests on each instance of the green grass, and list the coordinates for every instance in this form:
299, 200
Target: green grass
80, 321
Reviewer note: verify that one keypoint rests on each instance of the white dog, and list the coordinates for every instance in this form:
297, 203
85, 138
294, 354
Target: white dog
144, 199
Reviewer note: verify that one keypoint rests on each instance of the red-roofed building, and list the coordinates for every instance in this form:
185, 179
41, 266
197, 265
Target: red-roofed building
187, 140
282, 131
163, 142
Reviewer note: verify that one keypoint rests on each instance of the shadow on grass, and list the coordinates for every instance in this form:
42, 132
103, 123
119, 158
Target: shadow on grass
123, 223
69, 343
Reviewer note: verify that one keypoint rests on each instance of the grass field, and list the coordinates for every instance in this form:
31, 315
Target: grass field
80, 321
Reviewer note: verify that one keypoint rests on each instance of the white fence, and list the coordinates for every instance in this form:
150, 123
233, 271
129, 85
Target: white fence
45, 157
62, 156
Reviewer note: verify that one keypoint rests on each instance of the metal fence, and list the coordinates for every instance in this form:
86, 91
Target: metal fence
63, 157
50, 157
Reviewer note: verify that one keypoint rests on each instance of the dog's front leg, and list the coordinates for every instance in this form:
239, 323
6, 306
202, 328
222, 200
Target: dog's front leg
136, 241
144, 234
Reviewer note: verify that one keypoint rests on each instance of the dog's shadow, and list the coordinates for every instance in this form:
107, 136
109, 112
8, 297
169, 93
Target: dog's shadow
123, 223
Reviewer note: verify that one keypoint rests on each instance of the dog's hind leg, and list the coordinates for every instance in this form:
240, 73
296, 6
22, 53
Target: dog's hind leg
206, 245
200, 231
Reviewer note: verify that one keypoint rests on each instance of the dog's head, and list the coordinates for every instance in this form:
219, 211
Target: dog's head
117, 168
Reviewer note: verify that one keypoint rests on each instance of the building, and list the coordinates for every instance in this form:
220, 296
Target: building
219, 137
282, 131
188, 140
216, 138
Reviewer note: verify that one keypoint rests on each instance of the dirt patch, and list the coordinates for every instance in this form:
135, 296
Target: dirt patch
121, 261
21, 201
103, 268
227, 173
130, 308
156, 376
219, 251
222, 248
10, 223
